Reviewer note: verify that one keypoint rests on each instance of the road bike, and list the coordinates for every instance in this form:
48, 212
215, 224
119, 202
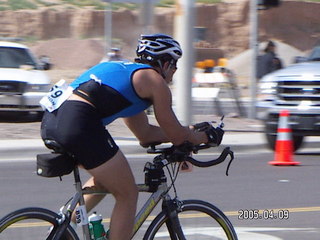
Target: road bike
177, 220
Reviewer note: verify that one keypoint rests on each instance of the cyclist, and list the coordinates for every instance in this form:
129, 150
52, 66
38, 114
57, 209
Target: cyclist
112, 90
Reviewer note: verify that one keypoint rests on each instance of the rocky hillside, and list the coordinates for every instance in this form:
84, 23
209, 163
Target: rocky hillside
226, 27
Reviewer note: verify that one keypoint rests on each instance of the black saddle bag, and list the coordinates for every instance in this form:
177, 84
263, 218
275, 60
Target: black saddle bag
54, 164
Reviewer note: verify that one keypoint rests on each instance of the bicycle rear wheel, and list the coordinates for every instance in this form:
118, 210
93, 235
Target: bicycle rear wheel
31, 224
199, 220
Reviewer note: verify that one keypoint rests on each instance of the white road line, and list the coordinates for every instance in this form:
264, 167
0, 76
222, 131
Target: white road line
243, 233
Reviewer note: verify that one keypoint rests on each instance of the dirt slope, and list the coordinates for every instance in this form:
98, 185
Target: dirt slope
73, 38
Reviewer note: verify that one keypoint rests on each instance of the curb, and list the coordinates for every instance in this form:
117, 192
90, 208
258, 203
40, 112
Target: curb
15, 149
238, 142
236, 139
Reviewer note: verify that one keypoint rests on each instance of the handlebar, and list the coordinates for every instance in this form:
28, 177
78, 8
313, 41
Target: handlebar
183, 152
200, 127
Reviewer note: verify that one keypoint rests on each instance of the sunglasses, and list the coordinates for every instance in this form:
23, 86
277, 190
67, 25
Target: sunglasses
173, 64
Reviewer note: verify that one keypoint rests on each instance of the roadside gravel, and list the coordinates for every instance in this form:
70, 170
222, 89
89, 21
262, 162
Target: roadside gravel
20, 128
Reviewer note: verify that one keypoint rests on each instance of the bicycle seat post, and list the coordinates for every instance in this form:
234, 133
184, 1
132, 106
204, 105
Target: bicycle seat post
78, 186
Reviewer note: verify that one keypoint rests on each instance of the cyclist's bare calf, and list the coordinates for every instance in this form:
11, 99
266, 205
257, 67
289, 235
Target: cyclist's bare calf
116, 176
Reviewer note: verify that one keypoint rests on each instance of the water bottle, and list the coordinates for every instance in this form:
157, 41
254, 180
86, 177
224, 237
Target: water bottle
96, 228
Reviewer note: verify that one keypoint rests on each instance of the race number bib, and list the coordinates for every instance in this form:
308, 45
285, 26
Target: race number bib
57, 95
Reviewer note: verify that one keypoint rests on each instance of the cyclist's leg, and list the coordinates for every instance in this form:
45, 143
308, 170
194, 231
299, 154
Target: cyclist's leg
91, 200
116, 176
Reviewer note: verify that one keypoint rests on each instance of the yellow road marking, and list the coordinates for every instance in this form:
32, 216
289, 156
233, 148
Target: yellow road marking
184, 215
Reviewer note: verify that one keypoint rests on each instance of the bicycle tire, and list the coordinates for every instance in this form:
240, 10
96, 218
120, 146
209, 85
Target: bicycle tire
198, 219
31, 224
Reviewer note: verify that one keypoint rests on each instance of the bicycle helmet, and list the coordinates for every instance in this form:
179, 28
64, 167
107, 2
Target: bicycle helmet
154, 47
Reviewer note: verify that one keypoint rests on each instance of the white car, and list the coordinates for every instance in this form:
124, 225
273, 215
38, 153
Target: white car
22, 80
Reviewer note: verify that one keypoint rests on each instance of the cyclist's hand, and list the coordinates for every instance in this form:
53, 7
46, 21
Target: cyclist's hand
150, 144
201, 127
144, 145
214, 135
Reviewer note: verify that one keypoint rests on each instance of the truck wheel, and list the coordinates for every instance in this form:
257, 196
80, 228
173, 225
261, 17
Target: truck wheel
271, 140
39, 116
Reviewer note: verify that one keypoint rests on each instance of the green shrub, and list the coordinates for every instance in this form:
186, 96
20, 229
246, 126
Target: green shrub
21, 4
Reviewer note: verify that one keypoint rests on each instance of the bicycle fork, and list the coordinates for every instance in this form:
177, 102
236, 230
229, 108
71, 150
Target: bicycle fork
172, 207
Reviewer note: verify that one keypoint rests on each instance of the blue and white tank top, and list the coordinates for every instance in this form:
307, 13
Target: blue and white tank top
108, 86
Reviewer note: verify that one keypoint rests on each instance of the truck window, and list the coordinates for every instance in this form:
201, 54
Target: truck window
11, 57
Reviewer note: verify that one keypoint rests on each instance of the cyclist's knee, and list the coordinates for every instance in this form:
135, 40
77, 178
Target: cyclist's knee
129, 194
116, 176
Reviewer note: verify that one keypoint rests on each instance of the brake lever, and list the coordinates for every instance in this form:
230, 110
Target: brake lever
231, 159
196, 148
221, 124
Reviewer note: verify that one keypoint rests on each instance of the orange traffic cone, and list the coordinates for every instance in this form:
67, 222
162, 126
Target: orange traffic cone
284, 146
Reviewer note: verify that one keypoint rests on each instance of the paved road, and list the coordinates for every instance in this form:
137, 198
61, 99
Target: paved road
252, 184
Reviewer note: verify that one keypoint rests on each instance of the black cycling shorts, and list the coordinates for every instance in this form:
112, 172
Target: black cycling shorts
78, 128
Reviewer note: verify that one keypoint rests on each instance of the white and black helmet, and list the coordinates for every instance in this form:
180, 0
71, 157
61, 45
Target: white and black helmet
156, 47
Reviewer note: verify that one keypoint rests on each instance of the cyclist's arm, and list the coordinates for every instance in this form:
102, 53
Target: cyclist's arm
149, 84
146, 133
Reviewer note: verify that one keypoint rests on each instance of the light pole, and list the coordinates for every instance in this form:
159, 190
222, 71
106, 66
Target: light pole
255, 6
184, 33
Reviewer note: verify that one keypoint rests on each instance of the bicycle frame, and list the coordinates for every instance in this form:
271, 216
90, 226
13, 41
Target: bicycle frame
159, 191
146, 209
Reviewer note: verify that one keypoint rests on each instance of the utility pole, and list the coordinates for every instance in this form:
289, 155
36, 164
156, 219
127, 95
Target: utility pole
108, 25
147, 15
184, 33
254, 46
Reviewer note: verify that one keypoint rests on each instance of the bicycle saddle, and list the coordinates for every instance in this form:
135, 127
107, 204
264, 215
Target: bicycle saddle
54, 145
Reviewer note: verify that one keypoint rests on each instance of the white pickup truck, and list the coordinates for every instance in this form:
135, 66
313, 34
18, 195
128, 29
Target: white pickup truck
22, 81
297, 89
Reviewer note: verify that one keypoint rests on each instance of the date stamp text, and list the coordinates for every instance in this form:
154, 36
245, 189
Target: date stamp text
266, 214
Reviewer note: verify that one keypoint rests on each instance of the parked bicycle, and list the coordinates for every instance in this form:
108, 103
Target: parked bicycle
178, 219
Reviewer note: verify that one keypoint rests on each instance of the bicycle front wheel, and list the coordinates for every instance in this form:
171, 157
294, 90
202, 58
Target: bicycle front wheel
31, 224
199, 220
